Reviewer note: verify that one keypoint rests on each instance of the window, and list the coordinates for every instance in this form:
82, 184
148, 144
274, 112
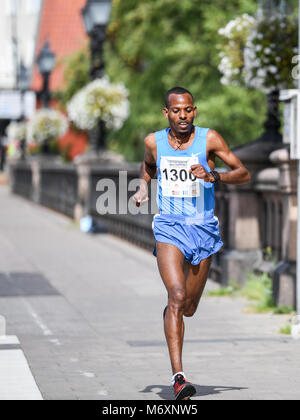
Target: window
11, 7
32, 7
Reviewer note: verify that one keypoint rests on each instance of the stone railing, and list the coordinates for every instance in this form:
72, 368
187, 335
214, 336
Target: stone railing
252, 216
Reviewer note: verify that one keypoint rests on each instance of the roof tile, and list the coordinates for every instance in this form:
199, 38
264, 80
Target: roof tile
61, 23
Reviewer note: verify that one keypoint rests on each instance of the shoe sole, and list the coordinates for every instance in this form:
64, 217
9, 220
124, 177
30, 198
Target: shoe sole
187, 392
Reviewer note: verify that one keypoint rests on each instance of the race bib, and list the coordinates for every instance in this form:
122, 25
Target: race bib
176, 180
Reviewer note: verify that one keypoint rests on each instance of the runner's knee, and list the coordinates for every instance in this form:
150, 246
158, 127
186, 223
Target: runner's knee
177, 299
189, 308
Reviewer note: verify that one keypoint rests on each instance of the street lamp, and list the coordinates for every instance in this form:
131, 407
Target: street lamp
23, 86
95, 16
268, 8
23, 77
46, 62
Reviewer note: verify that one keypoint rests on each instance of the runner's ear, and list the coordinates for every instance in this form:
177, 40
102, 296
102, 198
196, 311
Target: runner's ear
166, 113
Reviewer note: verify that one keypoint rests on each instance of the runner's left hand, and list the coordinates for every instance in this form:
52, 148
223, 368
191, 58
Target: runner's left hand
199, 172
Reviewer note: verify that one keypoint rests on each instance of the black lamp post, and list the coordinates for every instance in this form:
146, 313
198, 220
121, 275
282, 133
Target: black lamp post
23, 86
256, 153
46, 62
267, 9
95, 16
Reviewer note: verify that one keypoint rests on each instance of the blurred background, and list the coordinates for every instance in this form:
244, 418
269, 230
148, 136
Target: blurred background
82, 82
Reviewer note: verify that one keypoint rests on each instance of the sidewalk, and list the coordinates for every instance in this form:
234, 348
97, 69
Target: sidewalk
87, 311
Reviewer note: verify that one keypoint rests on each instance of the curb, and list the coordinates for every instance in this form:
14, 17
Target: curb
16, 379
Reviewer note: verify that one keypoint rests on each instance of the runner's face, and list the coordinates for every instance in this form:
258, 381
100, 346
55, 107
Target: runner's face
181, 113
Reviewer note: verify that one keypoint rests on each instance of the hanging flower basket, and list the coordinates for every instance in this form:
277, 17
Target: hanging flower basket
99, 100
46, 125
257, 52
16, 131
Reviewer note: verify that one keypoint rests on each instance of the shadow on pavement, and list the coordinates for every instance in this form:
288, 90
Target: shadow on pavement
166, 393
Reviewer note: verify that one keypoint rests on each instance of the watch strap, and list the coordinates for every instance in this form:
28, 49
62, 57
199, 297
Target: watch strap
216, 175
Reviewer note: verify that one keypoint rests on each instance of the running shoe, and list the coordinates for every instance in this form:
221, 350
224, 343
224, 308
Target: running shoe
183, 390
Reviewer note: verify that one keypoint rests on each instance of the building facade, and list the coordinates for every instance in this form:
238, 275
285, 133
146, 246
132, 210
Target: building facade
19, 21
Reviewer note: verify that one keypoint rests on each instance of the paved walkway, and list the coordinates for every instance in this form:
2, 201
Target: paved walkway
87, 311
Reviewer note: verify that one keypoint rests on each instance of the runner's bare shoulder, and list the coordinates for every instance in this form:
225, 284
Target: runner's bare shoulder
149, 142
150, 149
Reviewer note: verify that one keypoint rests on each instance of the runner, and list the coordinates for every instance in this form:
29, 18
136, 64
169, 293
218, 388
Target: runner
186, 229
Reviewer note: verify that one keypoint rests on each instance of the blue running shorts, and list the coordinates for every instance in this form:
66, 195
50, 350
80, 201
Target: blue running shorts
196, 241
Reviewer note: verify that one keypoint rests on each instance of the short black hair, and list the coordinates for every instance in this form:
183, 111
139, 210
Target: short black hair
178, 91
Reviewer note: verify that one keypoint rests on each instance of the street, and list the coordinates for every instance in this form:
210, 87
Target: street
87, 310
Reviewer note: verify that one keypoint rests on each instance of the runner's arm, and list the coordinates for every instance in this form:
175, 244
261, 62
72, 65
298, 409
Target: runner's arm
238, 174
148, 170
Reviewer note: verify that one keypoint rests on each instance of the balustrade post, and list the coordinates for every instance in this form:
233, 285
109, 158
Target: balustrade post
243, 252
284, 274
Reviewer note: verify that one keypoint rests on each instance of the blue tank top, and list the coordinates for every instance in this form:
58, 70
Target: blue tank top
200, 207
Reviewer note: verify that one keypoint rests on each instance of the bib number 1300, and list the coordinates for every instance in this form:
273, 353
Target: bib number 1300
176, 175
176, 179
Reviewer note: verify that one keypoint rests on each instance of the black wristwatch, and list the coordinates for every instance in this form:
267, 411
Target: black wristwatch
216, 175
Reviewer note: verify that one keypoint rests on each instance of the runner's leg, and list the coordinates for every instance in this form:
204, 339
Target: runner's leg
195, 283
170, 262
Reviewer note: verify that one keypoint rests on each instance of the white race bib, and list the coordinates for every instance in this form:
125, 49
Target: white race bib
176, 180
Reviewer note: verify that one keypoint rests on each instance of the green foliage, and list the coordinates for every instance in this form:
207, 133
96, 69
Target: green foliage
76, 74
233, 289
286, 330
154, 45
54, 147
282, 310
258, 288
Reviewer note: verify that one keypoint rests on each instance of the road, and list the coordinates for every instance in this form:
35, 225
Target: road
87, 310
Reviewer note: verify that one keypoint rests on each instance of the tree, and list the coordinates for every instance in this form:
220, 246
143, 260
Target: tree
76, 75
154, 45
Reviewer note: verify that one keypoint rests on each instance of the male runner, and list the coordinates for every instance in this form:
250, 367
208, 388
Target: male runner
186, 230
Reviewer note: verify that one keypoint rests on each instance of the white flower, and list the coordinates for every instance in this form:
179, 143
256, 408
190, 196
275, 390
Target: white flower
272, 69
99, 100
261, 73
46, 124
16, 131
258, 66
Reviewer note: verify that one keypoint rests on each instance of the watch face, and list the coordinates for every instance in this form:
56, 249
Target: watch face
216, 176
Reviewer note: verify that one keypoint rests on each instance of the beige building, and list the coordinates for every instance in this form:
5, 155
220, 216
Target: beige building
19, 20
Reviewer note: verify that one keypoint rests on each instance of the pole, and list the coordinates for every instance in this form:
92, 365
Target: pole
46, 92
298, 244
298, 197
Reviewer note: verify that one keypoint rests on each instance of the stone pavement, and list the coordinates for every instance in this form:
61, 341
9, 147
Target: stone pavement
87, 310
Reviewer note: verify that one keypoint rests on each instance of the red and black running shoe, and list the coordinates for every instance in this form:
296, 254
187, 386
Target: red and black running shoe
183, 390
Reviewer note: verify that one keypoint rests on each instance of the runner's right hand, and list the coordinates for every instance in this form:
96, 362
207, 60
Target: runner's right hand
140, 197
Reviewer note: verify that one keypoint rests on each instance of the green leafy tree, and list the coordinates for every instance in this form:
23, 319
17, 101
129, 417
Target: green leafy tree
154, 45
76, 75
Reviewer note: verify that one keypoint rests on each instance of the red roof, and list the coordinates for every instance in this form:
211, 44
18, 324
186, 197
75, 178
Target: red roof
61, 23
